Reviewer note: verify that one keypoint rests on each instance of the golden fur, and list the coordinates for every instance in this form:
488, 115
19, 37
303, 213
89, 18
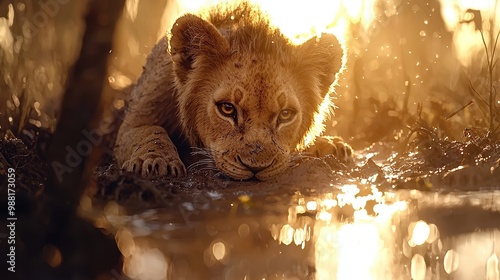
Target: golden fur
233, 86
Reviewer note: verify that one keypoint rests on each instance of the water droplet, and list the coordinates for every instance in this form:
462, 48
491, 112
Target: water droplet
243, 230
329, 203
118, 104
10, 15
420, 232
286, 234
418, 267
275, 231
125, 242
311, 205
52, 255
492, 272
219, 250
299, 236
324, 216
451, 261
433, 233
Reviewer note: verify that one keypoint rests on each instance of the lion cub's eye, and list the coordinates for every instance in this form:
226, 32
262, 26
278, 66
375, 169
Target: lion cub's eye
226, 109
286, 115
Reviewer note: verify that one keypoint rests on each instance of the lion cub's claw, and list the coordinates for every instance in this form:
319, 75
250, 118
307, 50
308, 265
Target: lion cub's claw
332, 145
154, 165
344, 152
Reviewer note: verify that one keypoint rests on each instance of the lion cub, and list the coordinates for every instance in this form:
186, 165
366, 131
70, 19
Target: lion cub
233, 86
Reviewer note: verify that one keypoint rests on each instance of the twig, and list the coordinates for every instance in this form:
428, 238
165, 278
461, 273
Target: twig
478, 95
459, 110
491, 65
496, 128
492, 94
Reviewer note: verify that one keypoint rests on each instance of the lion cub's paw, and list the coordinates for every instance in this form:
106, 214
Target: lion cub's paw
154, 164
327, 145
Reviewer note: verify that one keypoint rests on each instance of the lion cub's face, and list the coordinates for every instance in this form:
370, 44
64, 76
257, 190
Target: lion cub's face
251, 118
249, 109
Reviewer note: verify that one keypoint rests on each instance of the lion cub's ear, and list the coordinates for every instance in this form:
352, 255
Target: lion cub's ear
195, 41
321, 58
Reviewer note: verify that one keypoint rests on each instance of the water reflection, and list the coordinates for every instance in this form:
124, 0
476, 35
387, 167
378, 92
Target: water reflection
474, 256
352, 232
359, 248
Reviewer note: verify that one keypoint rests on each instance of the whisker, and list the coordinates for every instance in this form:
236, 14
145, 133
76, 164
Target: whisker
201, 151
300, 156
206, 160
204, 153
297, 158
198, 164
203, 163
208, 168
207, 163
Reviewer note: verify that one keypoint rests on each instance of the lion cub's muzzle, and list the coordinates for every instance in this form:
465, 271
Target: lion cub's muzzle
255, 168
252, 160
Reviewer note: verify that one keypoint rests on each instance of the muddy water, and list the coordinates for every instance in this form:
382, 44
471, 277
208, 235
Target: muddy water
305, 237
314, 222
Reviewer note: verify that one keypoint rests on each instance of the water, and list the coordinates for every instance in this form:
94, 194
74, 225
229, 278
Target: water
340, 231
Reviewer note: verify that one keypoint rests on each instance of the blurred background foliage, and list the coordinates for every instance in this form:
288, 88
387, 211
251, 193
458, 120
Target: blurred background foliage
38, 45
409, 63
418, 62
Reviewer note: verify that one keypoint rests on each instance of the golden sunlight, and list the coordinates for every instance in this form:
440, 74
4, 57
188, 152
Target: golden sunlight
298, 21
467, 38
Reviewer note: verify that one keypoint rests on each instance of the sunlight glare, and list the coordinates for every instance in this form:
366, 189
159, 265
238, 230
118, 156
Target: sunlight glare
359, 248
297, 21
355, 250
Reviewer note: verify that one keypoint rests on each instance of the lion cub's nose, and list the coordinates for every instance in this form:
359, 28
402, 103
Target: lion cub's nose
253, 168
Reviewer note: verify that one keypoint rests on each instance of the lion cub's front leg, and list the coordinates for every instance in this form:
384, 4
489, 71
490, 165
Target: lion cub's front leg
147, 150
326, 145
143, 145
